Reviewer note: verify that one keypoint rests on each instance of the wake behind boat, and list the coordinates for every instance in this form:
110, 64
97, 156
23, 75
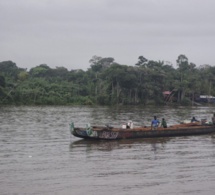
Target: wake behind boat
114, 133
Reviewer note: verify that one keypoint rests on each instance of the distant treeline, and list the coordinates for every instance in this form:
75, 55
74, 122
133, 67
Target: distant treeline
106, 83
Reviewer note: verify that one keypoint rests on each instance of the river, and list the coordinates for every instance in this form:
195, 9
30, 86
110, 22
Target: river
39, 157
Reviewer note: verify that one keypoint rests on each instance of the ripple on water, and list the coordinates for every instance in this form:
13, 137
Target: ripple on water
38, 156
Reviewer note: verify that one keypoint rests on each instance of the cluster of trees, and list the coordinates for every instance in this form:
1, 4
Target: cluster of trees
105, 82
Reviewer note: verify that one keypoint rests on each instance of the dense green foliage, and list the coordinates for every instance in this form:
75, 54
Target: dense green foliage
105, 83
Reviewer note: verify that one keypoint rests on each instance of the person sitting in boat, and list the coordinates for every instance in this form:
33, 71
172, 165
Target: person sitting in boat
163, 123
193, 120
130, 125
213, 119
155, 123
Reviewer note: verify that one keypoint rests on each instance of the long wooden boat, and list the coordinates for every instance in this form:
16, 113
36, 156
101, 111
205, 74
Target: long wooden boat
111, 133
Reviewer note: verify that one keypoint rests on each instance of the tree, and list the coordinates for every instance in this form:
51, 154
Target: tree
106, 82
98, 63
23, 75
2, 81
42, 70
183, 67
9, 69
59, 72
142, 61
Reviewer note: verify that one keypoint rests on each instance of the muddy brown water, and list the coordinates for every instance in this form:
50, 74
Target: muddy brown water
38, 155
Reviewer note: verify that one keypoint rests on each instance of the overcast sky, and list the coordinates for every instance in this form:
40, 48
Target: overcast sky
69, 32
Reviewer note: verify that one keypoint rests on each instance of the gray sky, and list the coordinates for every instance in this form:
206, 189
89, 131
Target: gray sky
69, 32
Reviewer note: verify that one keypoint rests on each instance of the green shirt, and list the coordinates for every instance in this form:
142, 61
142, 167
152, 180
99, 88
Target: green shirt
163, 124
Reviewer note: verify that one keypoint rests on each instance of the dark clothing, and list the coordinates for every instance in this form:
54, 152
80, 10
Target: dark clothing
213, 120
163, 123
194, 120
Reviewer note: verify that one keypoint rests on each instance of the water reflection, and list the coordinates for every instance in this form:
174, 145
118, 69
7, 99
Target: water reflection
104, 145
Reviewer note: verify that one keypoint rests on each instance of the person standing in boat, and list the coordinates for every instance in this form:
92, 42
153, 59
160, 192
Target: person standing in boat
155, 123
213, 119
194, 120
163, 123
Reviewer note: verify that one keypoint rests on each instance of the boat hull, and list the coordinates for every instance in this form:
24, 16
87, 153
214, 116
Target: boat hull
116, 134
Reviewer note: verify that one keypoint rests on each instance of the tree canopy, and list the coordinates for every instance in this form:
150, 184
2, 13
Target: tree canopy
106, 83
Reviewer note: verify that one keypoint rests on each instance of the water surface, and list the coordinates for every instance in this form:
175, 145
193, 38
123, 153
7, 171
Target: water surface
38, 155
